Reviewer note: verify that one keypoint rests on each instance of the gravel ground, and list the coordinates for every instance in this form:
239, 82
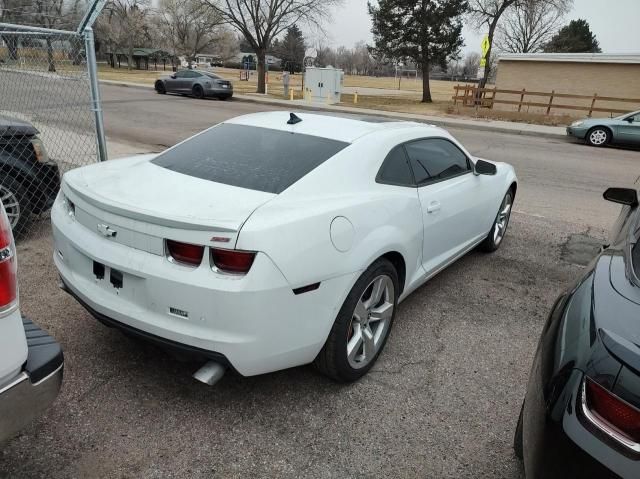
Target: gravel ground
441, 402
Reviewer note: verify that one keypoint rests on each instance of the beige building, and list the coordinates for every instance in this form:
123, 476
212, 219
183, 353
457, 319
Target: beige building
606, 75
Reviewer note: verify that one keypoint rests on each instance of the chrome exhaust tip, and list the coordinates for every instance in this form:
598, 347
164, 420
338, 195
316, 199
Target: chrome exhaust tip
210, 373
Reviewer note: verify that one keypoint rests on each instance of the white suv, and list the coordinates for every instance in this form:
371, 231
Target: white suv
31, 361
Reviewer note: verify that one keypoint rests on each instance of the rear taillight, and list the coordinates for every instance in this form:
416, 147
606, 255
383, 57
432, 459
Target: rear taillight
232, 261
185, 253
619, 419
8, 265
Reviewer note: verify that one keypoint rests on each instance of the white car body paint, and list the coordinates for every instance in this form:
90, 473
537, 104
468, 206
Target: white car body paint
13, 346
256, 321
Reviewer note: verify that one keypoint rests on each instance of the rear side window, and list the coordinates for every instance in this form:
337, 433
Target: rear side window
395, 169
436, 159
248, 157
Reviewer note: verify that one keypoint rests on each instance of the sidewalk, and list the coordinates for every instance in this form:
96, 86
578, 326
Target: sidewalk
495, 126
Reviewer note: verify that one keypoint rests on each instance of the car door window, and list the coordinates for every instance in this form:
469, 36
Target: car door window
395, 169
436, 159
192, 74
181, 74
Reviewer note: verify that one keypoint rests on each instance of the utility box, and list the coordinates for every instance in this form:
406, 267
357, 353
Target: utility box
323, 84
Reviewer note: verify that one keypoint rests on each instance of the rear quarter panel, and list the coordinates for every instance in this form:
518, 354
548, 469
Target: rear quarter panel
294, 228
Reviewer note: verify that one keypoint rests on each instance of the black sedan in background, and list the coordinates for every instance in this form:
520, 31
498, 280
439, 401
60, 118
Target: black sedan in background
197, 83
581, 413
29, 179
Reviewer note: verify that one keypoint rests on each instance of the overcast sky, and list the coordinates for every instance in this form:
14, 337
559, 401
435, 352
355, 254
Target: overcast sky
615, 25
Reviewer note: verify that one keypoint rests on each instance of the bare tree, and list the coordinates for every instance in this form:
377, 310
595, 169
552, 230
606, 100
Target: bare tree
13, 11
488, 13
530, 25
189, 26
227, 45
261, 21
48, 14
125, 23
471, 65
55, 14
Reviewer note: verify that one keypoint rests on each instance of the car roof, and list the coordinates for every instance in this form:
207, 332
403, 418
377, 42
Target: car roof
344, 128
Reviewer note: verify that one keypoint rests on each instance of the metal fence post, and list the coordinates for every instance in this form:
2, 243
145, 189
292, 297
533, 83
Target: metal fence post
96, 106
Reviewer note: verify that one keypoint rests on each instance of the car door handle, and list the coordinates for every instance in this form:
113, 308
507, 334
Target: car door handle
433, 207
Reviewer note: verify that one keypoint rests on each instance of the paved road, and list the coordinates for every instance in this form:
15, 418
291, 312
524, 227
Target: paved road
441, 402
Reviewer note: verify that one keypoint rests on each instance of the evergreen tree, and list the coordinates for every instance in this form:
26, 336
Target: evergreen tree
428, 32
576, 37
291, 50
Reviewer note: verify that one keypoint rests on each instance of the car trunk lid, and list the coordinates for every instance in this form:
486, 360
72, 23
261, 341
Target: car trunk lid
145, 204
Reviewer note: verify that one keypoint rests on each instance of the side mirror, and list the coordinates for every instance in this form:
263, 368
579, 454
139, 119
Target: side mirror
173, 76
623, 196
485, 168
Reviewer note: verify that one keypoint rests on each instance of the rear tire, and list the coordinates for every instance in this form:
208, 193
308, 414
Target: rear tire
499, 229
518, 437
198, 92
160, 88
598, 136
16, 202
362, 326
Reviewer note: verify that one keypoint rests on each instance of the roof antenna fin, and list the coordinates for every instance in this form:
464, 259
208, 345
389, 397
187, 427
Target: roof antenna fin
293, 119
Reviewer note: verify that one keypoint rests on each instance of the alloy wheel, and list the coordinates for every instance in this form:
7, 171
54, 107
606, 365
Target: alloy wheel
370, 322
598, 137
11, 205
502, 220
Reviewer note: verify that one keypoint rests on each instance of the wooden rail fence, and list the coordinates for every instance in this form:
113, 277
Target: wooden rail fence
472, 96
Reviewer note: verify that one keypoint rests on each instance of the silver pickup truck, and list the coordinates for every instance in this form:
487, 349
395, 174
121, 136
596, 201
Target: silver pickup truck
31, 361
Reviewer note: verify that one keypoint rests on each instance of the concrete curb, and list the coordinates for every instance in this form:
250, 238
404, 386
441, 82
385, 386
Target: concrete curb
511, 128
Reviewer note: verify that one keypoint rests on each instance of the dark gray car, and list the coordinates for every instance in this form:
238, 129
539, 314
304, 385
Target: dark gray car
198, 83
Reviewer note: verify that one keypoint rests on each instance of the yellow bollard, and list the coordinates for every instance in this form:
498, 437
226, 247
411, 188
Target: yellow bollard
355, 98
291, 94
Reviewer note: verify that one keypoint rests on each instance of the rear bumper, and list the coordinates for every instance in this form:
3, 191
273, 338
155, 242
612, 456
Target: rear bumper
36, 387
255, 321
219, 92
166, 344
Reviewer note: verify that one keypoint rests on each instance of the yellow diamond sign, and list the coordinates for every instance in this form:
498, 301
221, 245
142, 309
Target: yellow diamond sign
485, 46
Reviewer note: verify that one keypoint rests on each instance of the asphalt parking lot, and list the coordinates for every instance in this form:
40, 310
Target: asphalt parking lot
441, 402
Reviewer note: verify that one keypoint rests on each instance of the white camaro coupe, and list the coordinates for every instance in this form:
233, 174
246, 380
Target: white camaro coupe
275, 240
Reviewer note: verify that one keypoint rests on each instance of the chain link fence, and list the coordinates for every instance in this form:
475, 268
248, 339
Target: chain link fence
47, 121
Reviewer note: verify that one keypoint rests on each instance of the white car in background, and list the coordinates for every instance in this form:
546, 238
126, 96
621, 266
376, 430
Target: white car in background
30, 360
275, 240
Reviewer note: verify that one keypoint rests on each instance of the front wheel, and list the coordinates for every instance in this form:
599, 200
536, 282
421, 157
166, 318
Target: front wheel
362, 326
499, 229
598, 136
160, 88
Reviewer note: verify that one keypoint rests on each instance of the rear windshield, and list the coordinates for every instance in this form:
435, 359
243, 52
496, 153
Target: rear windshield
249, 157
212, 75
